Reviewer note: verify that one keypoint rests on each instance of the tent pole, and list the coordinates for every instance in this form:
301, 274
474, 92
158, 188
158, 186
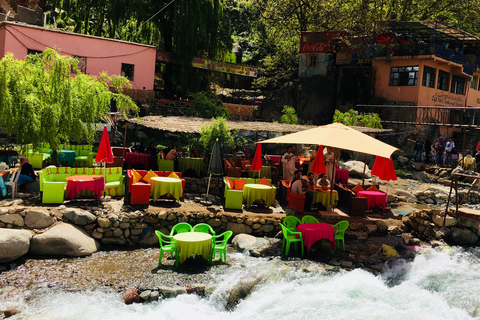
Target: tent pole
332, 184
364, 168
208, 186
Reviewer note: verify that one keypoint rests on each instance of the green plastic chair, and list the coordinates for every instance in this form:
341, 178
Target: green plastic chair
289, 237
167, 244
309, 219
203, 227
180, 228
220, 245
291, 222
340, 229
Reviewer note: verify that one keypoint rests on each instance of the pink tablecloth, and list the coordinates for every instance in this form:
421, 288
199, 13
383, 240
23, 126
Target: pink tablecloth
341, 175
312, 232
145, 159
75, 184
374, 198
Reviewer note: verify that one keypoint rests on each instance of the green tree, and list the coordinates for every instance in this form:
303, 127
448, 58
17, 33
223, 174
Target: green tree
217, 129
352, 118
289, 115
41, 102
207, 105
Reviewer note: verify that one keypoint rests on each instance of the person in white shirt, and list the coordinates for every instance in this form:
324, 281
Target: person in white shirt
448, 151
288, 163
299, 186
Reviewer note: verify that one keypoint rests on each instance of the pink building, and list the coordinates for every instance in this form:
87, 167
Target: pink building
134, 61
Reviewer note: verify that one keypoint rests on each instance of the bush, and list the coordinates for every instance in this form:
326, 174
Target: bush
289, 115
207, 105
217, 129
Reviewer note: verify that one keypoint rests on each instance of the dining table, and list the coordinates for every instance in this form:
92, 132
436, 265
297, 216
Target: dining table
132, 158
374, 198
266, 172
165, 165
196, 164
193, 243
67, 156
341, 175
78, 183
312, 232
256, 191
8, 156
165, 185
323, 196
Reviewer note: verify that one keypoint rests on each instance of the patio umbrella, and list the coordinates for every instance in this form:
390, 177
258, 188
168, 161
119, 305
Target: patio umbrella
383, 168
318, 166
104, 153
257, 159
337, 135
215, 165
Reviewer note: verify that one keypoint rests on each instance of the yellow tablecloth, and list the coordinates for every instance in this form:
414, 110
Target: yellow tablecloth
164, 165
252, 192
164, 185
324, 198
266, 172
196, 164
189, 243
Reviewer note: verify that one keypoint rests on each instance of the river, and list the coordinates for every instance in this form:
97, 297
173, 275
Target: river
441, 284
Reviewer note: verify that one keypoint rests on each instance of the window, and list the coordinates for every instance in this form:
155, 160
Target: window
428, 77
473, 83
404, 76
31, 51
458, 84
128, 70
443, 78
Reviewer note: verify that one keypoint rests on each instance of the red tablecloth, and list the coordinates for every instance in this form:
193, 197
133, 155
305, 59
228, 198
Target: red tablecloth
145, 159
341, 175
374, 198
75, 184
312, 232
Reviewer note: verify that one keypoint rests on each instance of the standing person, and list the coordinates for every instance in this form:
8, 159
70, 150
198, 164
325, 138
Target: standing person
427, 146
27, 174
288, 163
329, 162
439, 149
448, 150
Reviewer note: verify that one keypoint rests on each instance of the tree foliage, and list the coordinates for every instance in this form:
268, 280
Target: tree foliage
289, 115
216, 130
208, 105
40, 100
352, 118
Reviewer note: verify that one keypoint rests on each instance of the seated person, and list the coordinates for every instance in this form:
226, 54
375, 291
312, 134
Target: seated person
299, 186
172, 154
323, 181
27, 174
167, 149
151, 149
296, 176
311, 182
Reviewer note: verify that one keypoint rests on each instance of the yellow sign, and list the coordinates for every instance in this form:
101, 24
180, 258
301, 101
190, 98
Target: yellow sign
224, 67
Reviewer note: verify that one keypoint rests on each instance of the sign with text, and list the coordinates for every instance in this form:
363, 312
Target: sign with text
321, 41
454, 100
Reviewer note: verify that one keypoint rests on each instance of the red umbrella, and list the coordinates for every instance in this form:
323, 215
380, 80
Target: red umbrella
318, 166
257, 159
104, 153
383, 168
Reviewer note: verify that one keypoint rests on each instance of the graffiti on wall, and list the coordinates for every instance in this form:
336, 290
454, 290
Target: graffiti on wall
453, 100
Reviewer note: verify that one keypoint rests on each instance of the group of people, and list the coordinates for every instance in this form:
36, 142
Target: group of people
441, 153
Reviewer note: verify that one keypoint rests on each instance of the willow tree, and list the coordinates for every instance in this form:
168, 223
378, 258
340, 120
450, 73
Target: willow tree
42, 101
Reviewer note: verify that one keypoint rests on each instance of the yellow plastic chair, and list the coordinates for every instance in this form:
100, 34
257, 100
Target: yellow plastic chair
220, 246
180, 228
167, 244
340, 229
309, 219
289, 237
203, 227
291, 222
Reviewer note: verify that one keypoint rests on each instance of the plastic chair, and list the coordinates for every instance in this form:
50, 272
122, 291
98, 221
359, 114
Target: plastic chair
309, 219
220, 245
167, 244
340, 229
289, 237
180, 228
13, 181
291, 222
203, 227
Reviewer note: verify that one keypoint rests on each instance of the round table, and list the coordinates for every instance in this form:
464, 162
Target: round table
78, 183
65, 156
324, 198
165, 185
189, 243
165, 165
255, 191
312, 232
341, 175
266, 172
196, 164
374, 198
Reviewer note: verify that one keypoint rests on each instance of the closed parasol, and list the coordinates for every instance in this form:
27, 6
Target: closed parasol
104, 154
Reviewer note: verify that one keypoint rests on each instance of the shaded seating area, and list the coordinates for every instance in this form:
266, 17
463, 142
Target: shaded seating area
239, 191
69, 154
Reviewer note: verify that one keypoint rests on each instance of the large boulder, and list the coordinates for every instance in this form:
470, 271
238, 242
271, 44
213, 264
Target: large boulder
242, 242
79, 217
38, 218
462, 236
356, 169
14, 219
64, 239
13, 244
408, 196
